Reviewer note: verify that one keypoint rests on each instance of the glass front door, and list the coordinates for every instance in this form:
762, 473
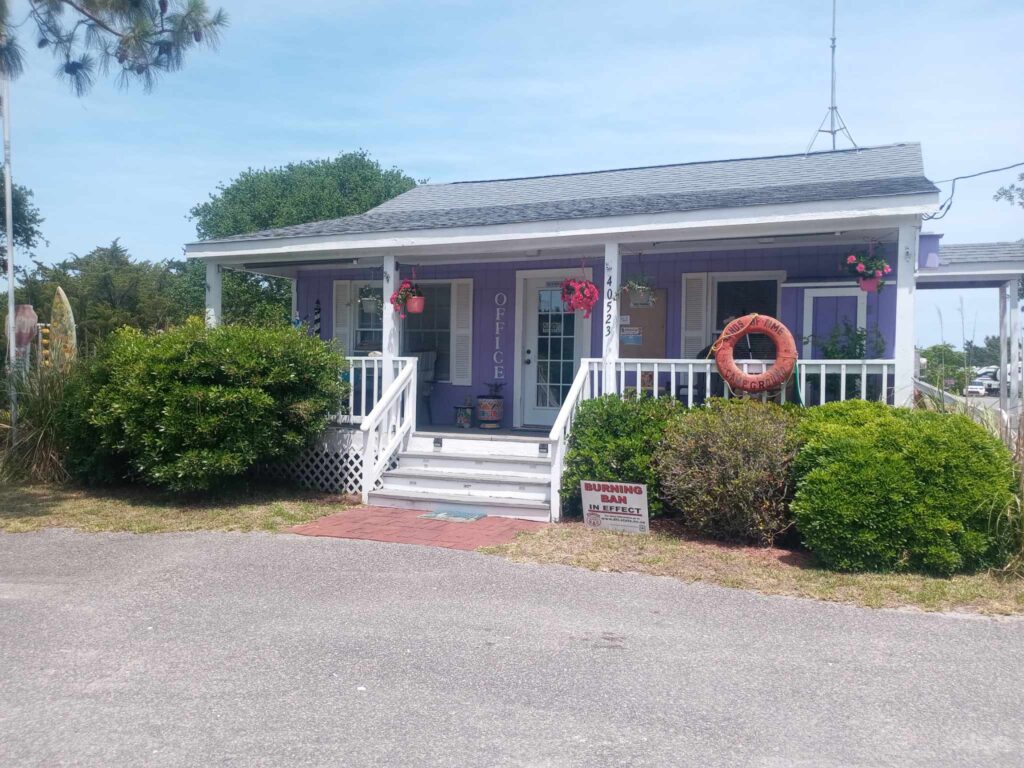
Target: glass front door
554, 341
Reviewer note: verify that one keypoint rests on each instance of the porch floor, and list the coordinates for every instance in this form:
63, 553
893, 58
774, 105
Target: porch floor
406, 526
475, 433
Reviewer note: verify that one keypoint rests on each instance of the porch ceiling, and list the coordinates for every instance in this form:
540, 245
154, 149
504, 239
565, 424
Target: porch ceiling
284, 266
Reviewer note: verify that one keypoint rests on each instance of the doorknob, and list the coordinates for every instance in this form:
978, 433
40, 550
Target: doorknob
528, 353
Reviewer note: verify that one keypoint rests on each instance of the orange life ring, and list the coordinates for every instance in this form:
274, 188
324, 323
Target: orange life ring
785, 354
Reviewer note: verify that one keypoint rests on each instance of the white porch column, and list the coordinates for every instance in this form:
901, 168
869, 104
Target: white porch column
1014, 349
610, 309
904, 350
1004, 336
214, 313
390, 320
295, 299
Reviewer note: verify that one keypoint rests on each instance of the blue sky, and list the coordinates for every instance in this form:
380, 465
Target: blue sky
461, 90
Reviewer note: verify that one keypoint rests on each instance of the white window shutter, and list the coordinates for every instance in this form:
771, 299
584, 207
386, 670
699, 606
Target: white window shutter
462, 332
343, 313
695, 313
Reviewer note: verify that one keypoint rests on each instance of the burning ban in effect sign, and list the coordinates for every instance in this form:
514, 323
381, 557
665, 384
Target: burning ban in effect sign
615, 506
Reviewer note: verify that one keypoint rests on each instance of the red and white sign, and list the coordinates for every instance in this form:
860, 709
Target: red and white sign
615, 506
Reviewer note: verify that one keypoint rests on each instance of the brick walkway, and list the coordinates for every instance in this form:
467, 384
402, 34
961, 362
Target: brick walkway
405, 526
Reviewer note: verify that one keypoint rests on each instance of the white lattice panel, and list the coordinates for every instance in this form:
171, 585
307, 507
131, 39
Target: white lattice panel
334, 463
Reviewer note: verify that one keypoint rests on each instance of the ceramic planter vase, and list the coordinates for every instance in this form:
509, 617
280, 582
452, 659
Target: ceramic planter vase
463, 416
490, 410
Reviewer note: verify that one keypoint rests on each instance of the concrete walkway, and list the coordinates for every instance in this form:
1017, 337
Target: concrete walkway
281, 650
408, 526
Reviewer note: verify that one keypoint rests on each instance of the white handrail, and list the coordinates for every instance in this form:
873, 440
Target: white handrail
562, 427
388, 425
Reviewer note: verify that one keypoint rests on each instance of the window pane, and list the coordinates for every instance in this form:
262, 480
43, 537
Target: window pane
741, 297
431, 329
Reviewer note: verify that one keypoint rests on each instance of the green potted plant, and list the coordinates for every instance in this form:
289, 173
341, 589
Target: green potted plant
464, 414
371, 299
490, 408
640, 287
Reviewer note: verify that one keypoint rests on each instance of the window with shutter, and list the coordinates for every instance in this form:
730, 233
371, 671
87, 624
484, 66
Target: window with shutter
694, 313
342, 329
462, 332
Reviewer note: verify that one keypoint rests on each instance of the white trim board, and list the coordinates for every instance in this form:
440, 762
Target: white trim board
821, 293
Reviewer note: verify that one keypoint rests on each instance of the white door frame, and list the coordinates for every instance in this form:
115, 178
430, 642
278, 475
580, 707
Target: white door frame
810, 294
522, 275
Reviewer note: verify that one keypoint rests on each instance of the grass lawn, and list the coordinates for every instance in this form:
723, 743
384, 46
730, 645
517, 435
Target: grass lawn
30, 508
769, 571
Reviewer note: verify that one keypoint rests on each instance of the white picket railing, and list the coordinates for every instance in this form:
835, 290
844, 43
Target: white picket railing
388, 425
693, 381
365, 377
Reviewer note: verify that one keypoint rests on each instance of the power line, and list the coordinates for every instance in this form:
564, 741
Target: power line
948, 202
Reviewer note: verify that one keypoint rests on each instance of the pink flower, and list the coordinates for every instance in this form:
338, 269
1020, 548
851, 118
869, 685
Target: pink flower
861, 268
887, 269
878, 273
851, 259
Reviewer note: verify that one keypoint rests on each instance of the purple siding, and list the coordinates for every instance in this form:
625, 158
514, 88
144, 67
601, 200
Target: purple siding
492, 280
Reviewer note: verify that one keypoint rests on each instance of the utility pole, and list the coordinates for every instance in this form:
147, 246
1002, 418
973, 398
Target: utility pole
5, 103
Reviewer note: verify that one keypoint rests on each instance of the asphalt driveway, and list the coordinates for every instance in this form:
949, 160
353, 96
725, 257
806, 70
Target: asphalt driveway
253, 649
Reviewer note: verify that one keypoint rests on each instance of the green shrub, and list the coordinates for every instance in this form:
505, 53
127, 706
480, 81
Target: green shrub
192, 407
726, 469
889, 489
615, 440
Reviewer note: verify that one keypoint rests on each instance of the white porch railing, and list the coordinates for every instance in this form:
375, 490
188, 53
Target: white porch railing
365, 377
693, 381
388, 425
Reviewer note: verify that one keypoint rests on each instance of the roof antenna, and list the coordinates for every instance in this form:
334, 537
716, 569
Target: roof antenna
833, 119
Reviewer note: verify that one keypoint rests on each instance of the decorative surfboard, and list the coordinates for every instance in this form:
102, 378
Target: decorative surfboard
63, 339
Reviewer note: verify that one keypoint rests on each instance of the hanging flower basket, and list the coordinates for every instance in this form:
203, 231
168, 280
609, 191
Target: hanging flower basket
579, 295
371, 299
402, 300
869, 268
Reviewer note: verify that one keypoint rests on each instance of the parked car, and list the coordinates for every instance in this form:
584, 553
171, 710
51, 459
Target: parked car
976, 387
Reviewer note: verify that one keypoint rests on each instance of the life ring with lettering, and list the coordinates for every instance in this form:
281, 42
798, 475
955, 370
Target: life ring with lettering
785, 354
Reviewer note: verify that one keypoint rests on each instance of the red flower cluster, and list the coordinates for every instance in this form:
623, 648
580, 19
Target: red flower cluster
865, 266
405, 291
579, 294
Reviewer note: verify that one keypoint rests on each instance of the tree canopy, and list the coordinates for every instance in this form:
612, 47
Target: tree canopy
297, 193
141, 39
27, 221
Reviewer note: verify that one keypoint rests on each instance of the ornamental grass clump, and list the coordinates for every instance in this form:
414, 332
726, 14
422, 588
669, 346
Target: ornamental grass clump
192, 408
614, 440
893, 489
725, 469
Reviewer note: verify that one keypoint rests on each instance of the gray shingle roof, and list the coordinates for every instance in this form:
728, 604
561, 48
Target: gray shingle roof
895, 169
971, 253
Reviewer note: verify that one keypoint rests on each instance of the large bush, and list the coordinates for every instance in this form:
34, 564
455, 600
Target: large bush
726, 469
193, 407
615, 440
890, 489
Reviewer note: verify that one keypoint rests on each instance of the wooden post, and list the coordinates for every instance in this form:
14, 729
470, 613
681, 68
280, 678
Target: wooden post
610, 314
905, 349
389, 323
214, 313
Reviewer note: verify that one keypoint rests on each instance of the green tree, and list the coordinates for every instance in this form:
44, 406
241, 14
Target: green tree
944, 363
108, 289
298, 193
141, 39
983, 354
27, 221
